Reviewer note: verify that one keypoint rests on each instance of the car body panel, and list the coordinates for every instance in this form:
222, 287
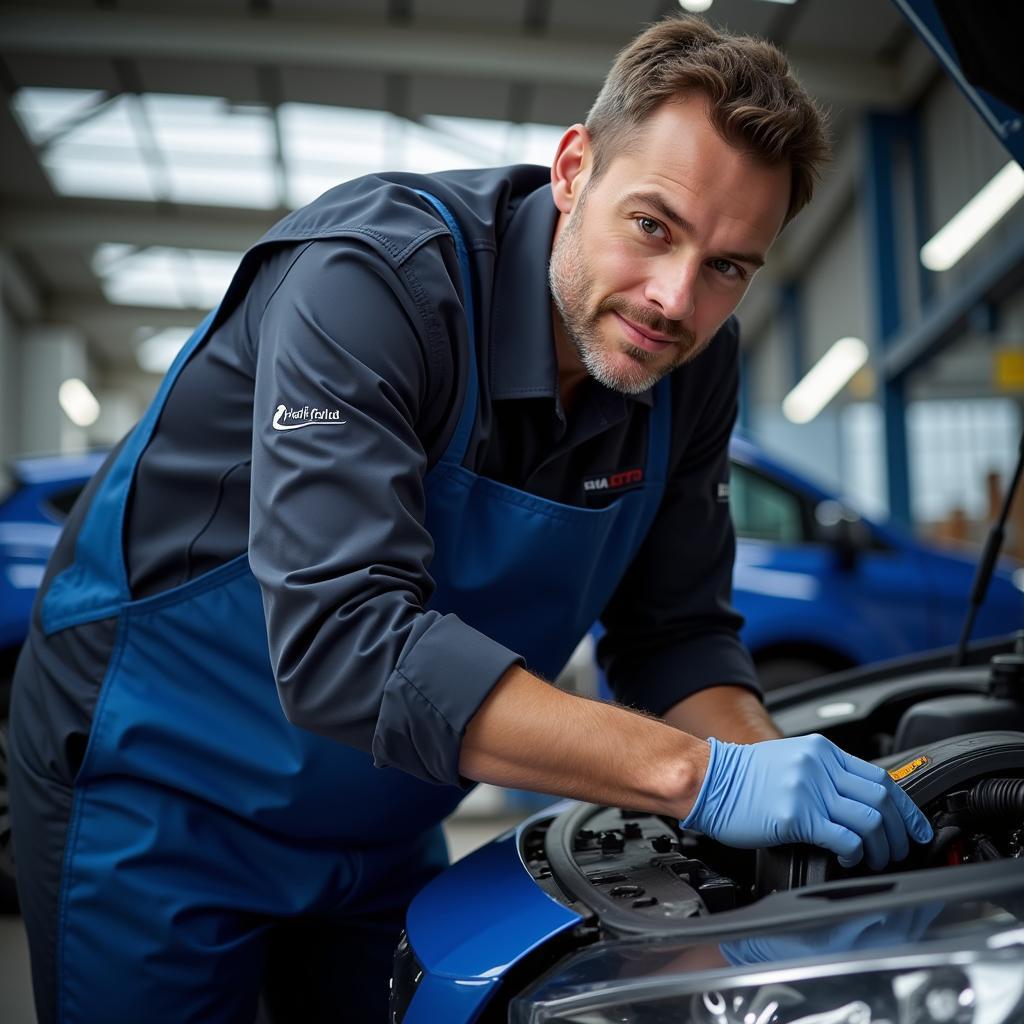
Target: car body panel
465, 947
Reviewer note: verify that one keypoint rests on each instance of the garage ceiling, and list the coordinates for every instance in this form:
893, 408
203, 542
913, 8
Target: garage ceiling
187, 128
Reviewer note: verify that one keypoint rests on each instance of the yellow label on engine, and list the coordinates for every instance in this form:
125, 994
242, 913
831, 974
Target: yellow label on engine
899, 774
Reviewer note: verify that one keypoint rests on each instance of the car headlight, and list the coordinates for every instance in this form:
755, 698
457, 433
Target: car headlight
962, 987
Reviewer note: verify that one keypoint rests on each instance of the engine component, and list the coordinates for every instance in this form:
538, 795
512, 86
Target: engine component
977, 777
1002, 707
633, 869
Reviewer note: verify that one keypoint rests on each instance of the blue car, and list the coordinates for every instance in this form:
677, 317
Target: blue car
588, 914
824, 589
36, 495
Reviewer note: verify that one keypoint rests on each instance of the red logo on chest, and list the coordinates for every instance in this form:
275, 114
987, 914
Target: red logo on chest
614, 481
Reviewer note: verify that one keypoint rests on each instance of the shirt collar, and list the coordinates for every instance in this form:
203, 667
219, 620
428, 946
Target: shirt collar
522, 354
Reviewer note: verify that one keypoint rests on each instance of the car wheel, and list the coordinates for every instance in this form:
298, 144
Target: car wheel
779, 672
8, 894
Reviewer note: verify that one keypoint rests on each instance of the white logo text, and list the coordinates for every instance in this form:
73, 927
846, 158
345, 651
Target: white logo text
305, 417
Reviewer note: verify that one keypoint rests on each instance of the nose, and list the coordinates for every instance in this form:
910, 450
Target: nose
672, 287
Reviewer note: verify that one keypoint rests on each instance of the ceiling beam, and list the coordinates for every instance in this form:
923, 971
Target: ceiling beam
470, 52
77, 224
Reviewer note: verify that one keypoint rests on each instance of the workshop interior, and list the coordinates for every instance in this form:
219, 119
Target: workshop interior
876, 462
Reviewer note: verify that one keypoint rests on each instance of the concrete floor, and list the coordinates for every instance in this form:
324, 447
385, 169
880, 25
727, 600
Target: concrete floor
466, 831
15, 987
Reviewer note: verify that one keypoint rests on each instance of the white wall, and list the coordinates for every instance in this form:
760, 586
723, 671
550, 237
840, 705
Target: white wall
49, 356
835, 290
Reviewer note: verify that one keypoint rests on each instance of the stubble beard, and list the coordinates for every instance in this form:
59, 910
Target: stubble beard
571, 282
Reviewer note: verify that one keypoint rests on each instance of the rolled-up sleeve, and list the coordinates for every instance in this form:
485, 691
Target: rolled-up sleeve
670, 627
337, 536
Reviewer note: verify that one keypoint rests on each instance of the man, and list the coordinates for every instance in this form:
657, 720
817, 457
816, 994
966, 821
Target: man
437, 427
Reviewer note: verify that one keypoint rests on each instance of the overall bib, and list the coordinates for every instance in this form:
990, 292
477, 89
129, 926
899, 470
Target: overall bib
202, 818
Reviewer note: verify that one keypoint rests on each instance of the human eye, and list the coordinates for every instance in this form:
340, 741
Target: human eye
649, 226
728, 269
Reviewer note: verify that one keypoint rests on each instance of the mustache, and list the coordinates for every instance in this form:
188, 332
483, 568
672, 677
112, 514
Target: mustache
647, 318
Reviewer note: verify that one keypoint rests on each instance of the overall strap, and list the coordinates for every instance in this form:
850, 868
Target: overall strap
456, 450
95, 585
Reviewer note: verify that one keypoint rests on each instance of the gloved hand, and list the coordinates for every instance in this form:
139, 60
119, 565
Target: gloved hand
805, 790
868, 931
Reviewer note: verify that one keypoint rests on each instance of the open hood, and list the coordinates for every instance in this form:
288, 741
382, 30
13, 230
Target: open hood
979, 46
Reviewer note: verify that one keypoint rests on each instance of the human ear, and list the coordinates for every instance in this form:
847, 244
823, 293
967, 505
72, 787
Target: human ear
571, 167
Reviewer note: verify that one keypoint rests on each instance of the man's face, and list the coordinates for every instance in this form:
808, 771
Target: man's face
650, 259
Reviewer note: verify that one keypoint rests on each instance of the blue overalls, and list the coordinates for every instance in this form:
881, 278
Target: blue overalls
202, 818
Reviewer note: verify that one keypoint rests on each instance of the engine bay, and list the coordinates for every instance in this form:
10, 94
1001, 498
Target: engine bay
934, 731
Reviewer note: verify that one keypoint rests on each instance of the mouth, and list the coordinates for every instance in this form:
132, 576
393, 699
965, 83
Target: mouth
643, 337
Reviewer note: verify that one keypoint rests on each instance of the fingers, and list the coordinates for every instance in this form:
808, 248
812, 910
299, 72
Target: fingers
875, 796
864, 821
914, 820
846, 845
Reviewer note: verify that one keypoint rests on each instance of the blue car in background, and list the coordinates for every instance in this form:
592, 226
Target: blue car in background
824, 589
36, 495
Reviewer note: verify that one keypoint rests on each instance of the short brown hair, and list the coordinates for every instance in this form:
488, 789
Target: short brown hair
754, 100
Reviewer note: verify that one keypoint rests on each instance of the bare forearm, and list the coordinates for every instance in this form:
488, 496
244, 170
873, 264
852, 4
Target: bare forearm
530, 735
729, 713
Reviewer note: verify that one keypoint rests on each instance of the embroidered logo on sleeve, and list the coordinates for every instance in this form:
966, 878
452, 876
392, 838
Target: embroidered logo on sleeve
722, 494
308, 416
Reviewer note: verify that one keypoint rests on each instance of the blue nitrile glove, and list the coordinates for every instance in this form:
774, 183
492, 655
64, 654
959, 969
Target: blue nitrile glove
805, 790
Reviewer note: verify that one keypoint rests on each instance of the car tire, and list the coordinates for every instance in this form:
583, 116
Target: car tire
8, 893
779, 672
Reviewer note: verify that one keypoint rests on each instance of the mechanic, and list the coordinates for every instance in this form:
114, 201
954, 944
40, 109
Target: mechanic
437, 427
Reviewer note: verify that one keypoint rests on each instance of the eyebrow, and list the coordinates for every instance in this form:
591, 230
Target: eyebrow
658, 202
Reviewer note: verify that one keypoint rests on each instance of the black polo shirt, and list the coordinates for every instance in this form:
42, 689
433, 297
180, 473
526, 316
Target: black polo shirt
369, 325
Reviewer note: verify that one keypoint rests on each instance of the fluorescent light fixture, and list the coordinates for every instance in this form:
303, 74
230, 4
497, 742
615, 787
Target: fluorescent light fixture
78, 402
825, 380
695, 6
157, 349
975, 220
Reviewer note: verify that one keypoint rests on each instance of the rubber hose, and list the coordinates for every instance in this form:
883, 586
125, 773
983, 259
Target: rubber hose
993, 797
943, 838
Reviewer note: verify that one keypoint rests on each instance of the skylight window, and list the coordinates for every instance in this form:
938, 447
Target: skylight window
213, 152
43, 111
186, 149
162, 276
206, 150
97, 155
